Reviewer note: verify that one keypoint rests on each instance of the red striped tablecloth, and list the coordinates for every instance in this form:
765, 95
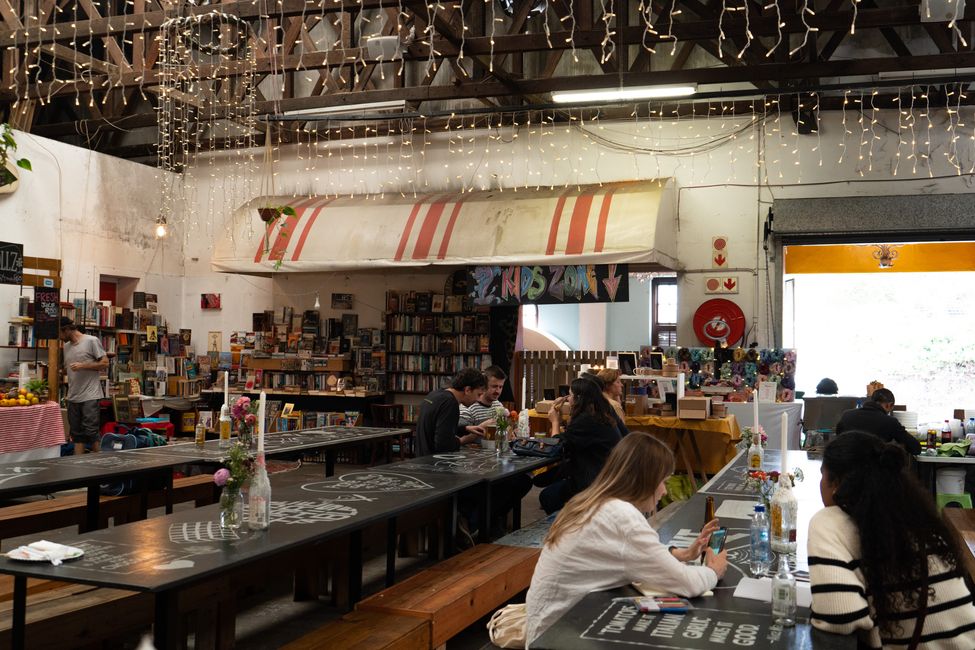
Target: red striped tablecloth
29, 427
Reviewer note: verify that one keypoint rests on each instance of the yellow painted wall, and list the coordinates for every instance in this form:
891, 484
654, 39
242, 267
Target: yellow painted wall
858, 258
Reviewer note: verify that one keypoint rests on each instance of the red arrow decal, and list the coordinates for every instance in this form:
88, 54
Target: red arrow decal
720, 259
612, 283
729, 284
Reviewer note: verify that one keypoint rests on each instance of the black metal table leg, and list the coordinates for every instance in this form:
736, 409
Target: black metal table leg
18, 632
391, 551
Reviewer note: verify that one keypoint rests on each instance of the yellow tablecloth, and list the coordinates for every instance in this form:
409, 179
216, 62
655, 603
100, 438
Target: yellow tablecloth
715, 437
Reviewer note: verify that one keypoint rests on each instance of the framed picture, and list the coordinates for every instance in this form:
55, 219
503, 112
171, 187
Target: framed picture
342, 300
209, 301
287, 409
213, 341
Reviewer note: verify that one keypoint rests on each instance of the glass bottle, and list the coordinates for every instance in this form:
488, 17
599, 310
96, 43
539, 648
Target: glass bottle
784, 595
201, 435
759, 552
259, 498
224, 426
785, 510
755, 452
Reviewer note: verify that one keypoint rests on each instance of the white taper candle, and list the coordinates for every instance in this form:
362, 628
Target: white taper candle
785, 442
260, 423
755, 410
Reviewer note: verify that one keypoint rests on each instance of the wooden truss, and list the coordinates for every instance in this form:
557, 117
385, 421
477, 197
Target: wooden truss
88, 71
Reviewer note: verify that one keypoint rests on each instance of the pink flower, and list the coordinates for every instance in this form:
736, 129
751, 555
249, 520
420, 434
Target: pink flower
243, 401
221, 476
250, 418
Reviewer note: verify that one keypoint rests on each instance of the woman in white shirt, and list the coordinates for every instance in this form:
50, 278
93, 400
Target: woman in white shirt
602, 539
882, 563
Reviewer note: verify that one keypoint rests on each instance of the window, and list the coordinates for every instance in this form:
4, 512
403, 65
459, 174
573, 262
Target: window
663, 321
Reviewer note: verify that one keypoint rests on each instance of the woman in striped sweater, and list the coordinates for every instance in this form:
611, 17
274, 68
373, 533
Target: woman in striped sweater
867, 552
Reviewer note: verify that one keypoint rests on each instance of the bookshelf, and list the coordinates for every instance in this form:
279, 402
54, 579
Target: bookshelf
425, 346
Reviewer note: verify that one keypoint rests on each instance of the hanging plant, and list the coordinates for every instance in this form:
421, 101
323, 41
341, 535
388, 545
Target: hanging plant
270, 214
7, 148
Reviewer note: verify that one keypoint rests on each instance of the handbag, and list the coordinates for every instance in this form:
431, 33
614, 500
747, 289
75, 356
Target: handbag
537, 448
507, 626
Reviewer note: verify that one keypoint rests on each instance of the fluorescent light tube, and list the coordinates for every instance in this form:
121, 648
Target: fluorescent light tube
622, 94
349, 109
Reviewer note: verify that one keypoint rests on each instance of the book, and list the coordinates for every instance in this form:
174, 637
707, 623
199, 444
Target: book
350, 324
437, 304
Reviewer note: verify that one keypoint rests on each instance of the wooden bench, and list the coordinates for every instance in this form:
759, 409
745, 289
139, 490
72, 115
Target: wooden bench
69, 510
367, 631
455, 593
60, 614
962, 525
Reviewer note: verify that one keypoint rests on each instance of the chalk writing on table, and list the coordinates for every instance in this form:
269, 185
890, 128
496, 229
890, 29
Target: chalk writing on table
195, 532
464, 463
124, 559
623, 623
369, 482
105, 460
309, 512
17, 472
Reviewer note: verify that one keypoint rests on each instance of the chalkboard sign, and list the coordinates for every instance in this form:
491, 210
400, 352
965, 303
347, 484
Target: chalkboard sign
550, 285
11, 263
47, 309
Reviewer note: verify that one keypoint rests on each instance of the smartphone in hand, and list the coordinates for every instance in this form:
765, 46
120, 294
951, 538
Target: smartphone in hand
717, 540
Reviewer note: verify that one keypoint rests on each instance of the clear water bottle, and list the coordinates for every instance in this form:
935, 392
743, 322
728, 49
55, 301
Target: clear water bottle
970, 427
760, 553
784, 594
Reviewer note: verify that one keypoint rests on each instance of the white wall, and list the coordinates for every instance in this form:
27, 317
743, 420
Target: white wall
95, 213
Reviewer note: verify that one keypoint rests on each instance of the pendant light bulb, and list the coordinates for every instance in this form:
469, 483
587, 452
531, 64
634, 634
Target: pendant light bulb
318, 304
161, 229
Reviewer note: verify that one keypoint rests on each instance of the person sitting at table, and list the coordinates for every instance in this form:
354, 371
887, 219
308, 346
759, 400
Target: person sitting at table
874, 417
827, 386
603, 540
438, 427
882, 563
505, 493
612, 389
591, 434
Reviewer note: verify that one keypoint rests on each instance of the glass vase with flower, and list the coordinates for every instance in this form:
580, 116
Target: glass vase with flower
244, 414
764, 483
233, 477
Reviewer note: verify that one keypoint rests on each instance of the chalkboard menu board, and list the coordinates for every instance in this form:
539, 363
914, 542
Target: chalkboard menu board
47, 305
11, 263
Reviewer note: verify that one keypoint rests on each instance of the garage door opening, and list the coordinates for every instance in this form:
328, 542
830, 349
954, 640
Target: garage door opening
901, 314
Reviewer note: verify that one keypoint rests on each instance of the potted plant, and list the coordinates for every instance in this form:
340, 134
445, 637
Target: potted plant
271, 213
8, 163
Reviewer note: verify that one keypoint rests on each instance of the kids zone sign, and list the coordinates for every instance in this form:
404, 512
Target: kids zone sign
547, 285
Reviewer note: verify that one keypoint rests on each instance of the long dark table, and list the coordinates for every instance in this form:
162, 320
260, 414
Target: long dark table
169, 554
719, 620
91, 470
488, 465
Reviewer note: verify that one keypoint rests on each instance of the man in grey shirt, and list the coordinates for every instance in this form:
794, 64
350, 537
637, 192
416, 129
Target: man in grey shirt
84, 360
